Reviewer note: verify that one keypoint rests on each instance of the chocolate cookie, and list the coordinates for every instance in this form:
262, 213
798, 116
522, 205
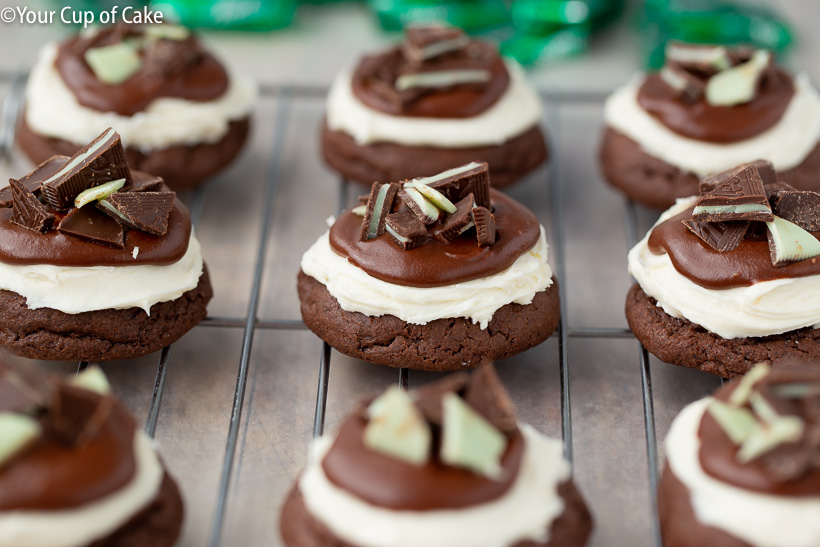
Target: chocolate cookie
181, 166
681, 342
300, 529
440, 345
101, 335
655, 183
387, 161
158, 525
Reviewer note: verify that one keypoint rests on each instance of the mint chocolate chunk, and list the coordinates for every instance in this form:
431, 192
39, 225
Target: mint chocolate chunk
102, 160
764, 168
487, 396
33, 179
738, 84
799, 207
687, 86
484, 226
76, 414
406, 229
458, 182
460, 221
442, 78
428, 42
704, 59
143, 182
144, 211
721, 236
167, 58
89, 223
739, 197
113, 64
379, 205
789, 242
27, 211
416, 202
428, 397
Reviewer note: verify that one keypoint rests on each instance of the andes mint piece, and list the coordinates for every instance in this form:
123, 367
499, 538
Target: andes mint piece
740, 395
144, 211
27, 211
738, 423
427, 42
89, 223
741, 197
484, 226
721, 236
101, 161
738, 84
359, 210
774, 188
33, 179
799, 207
460, 221
406, 229
96, 193
379, 205
166, 58
689, 87
17, 433
764, 168
426, 212
782, 430
143, 182
700, 58
433, 196
487, 396
92, 379
790, 243
472, 178
442, 78
468, 440
428, 397
76, 414
113, 64
396, 428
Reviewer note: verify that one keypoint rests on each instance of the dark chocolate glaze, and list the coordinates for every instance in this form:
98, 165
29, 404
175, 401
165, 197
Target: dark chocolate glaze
53, 476
435, 264
720, 124
462, 101
746, 265
205, 80
718, 459
390, 483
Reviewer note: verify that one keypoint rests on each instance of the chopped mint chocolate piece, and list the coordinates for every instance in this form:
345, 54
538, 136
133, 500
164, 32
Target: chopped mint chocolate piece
797, 390
89, 223
101, 161
113, 64
799, 207
468, 440
442, 78
428, 42
738, 84
487, 396
96, 193
460, 221
379, 205
428, 397
92, 379
739, 197
144, 211
764, 168
789, 242
406, 229
76, 414
433, 196
416, 202
143, 182
167, 58
17, 433
359, 210
456, 183
783, 430
720, 236
33, 179
703, 59
27, 211
688, 87
484, 226
741, 393
396, 428
738, 423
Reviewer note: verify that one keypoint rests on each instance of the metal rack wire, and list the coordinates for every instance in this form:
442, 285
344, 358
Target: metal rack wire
250, 323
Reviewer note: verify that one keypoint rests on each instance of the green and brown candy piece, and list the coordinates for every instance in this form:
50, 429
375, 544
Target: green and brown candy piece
407, 231
379, 205
27, 211
144, 211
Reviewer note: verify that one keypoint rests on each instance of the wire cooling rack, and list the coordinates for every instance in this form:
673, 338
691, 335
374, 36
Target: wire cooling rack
554, 193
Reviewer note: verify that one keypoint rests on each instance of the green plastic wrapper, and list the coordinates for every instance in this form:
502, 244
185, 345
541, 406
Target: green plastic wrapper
471, 15
255, 15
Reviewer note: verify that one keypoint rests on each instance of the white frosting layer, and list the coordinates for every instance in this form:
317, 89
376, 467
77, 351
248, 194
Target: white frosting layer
761, 309
759, 519
477, 299
786, 144
82, 525
524, 512
516, 111
52, 110
81, 289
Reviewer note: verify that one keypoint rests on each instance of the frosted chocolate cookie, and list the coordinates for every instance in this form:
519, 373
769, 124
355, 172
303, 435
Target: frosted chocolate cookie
708, 109
97, 261
437, 273
447, 464
182, 115
438, 100
730, 278
76, 470
743, 466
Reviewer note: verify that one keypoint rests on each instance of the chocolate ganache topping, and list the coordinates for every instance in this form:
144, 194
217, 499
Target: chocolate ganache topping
91, 210
710, 93
782, 408
164, 61
70, 445
436, 73
435, 231
745, 228
367, 470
